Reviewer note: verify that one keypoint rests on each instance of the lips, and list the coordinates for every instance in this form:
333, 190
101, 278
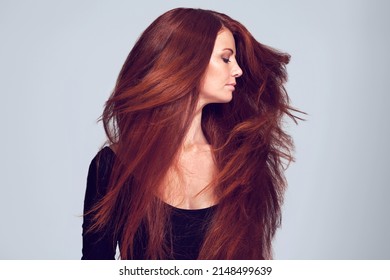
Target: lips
231, 86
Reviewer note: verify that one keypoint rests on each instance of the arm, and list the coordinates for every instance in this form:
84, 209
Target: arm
98, 245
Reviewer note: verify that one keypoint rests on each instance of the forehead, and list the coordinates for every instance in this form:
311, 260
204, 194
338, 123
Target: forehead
224, 40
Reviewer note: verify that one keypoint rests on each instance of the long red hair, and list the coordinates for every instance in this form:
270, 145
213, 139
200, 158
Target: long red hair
147, 117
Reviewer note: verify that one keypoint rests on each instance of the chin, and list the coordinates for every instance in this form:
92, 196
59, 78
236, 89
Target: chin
224, 99
227, 100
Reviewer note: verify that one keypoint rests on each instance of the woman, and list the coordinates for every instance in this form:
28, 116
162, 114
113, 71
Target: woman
194, 167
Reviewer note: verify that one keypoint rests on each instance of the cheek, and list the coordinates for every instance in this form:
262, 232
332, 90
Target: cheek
217, 75
209, 78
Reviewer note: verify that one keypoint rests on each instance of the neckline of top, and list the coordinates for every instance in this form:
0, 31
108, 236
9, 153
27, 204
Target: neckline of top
212, 207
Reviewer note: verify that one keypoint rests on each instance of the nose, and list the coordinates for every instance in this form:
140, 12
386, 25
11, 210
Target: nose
236, 71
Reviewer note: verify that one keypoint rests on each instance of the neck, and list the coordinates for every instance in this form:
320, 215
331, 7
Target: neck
195, 136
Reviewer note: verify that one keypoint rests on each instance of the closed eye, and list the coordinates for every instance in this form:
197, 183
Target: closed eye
226, 60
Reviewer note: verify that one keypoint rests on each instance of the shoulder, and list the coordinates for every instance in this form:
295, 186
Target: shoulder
104, 157
100, 169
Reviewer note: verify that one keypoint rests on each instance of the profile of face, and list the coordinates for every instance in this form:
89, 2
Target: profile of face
220, 76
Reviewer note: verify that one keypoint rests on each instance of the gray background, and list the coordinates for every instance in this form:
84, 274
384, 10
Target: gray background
58, 64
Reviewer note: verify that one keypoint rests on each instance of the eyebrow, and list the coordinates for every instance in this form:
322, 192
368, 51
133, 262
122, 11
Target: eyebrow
228, 49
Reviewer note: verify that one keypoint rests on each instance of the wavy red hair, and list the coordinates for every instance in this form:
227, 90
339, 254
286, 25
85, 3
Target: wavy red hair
147, 116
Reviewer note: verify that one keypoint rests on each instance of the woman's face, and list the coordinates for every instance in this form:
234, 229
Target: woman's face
220, 76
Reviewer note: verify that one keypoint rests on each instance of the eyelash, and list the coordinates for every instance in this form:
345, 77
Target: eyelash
226, 60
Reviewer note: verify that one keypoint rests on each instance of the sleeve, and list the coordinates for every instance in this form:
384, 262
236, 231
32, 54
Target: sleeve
97, 245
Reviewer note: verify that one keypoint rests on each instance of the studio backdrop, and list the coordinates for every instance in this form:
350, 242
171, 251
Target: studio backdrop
58, 64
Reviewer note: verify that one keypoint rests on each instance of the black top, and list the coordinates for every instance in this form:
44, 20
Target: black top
188, 226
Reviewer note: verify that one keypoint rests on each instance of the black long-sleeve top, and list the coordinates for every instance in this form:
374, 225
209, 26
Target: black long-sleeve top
188, 226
